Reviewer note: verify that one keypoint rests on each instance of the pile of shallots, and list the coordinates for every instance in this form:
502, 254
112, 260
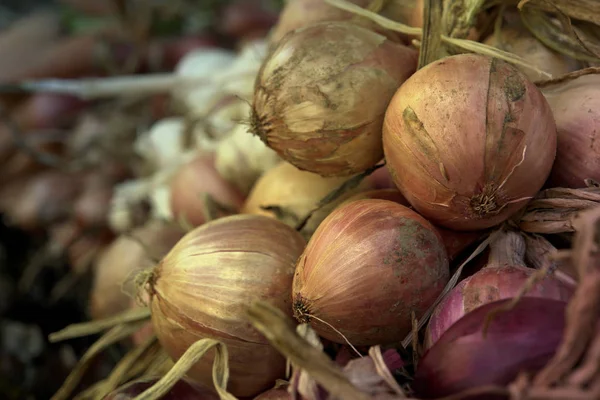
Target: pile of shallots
405, 196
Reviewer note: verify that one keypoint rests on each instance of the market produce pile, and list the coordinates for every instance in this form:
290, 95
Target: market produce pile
356, 200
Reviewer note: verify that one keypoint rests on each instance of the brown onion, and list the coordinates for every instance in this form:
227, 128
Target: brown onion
471, 150
296, 193
115, 268
367, 267
576, 108
502, 278
321, 95
182, 390
194, 179
202, 287
518, 40
520, 340
454, 242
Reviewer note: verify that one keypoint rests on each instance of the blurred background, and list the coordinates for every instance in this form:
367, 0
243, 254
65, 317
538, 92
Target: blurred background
60, 157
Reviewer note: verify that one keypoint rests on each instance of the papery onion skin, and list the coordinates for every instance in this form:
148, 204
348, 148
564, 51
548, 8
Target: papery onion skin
181, 391
194, 179
202, 287
297, 193
522, 339
279, 392
576, 108
490, 284
455, 242
321, 95
471, 150
366, 268
518, 40
502, 278
114, 271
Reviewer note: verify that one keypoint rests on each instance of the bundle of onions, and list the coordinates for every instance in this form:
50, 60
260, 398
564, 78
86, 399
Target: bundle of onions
369, 265
115, 268
502, 278
576, 108
521, 340
195, 179
321, 95
471, 150
289, 194
515, 38
454, 242
202, 287
182, 390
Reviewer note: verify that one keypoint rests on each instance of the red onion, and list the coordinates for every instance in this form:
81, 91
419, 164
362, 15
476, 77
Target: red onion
367, 267
202, 288
194, 179
502, 278
323, 113
576, 108
469, 151
182, 390
522, 339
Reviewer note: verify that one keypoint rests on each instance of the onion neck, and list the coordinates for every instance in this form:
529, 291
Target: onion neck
507, 249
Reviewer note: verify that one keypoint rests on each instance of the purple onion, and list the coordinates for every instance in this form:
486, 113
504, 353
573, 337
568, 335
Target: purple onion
522, 339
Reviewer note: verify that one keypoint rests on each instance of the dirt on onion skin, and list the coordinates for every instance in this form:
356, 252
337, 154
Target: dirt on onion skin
321, 96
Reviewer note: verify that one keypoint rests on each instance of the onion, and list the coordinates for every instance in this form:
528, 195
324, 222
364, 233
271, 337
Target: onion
242, 18
518, 40
46, 199
194, 179
115, 268
454, 242
241, 158
92, 205
321, 95
519, 340
576, 108
472, 149
182, 390
367, 267
279, 392
295, 193
502, 278
202, 287
381, 179
301, 13
80, 247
